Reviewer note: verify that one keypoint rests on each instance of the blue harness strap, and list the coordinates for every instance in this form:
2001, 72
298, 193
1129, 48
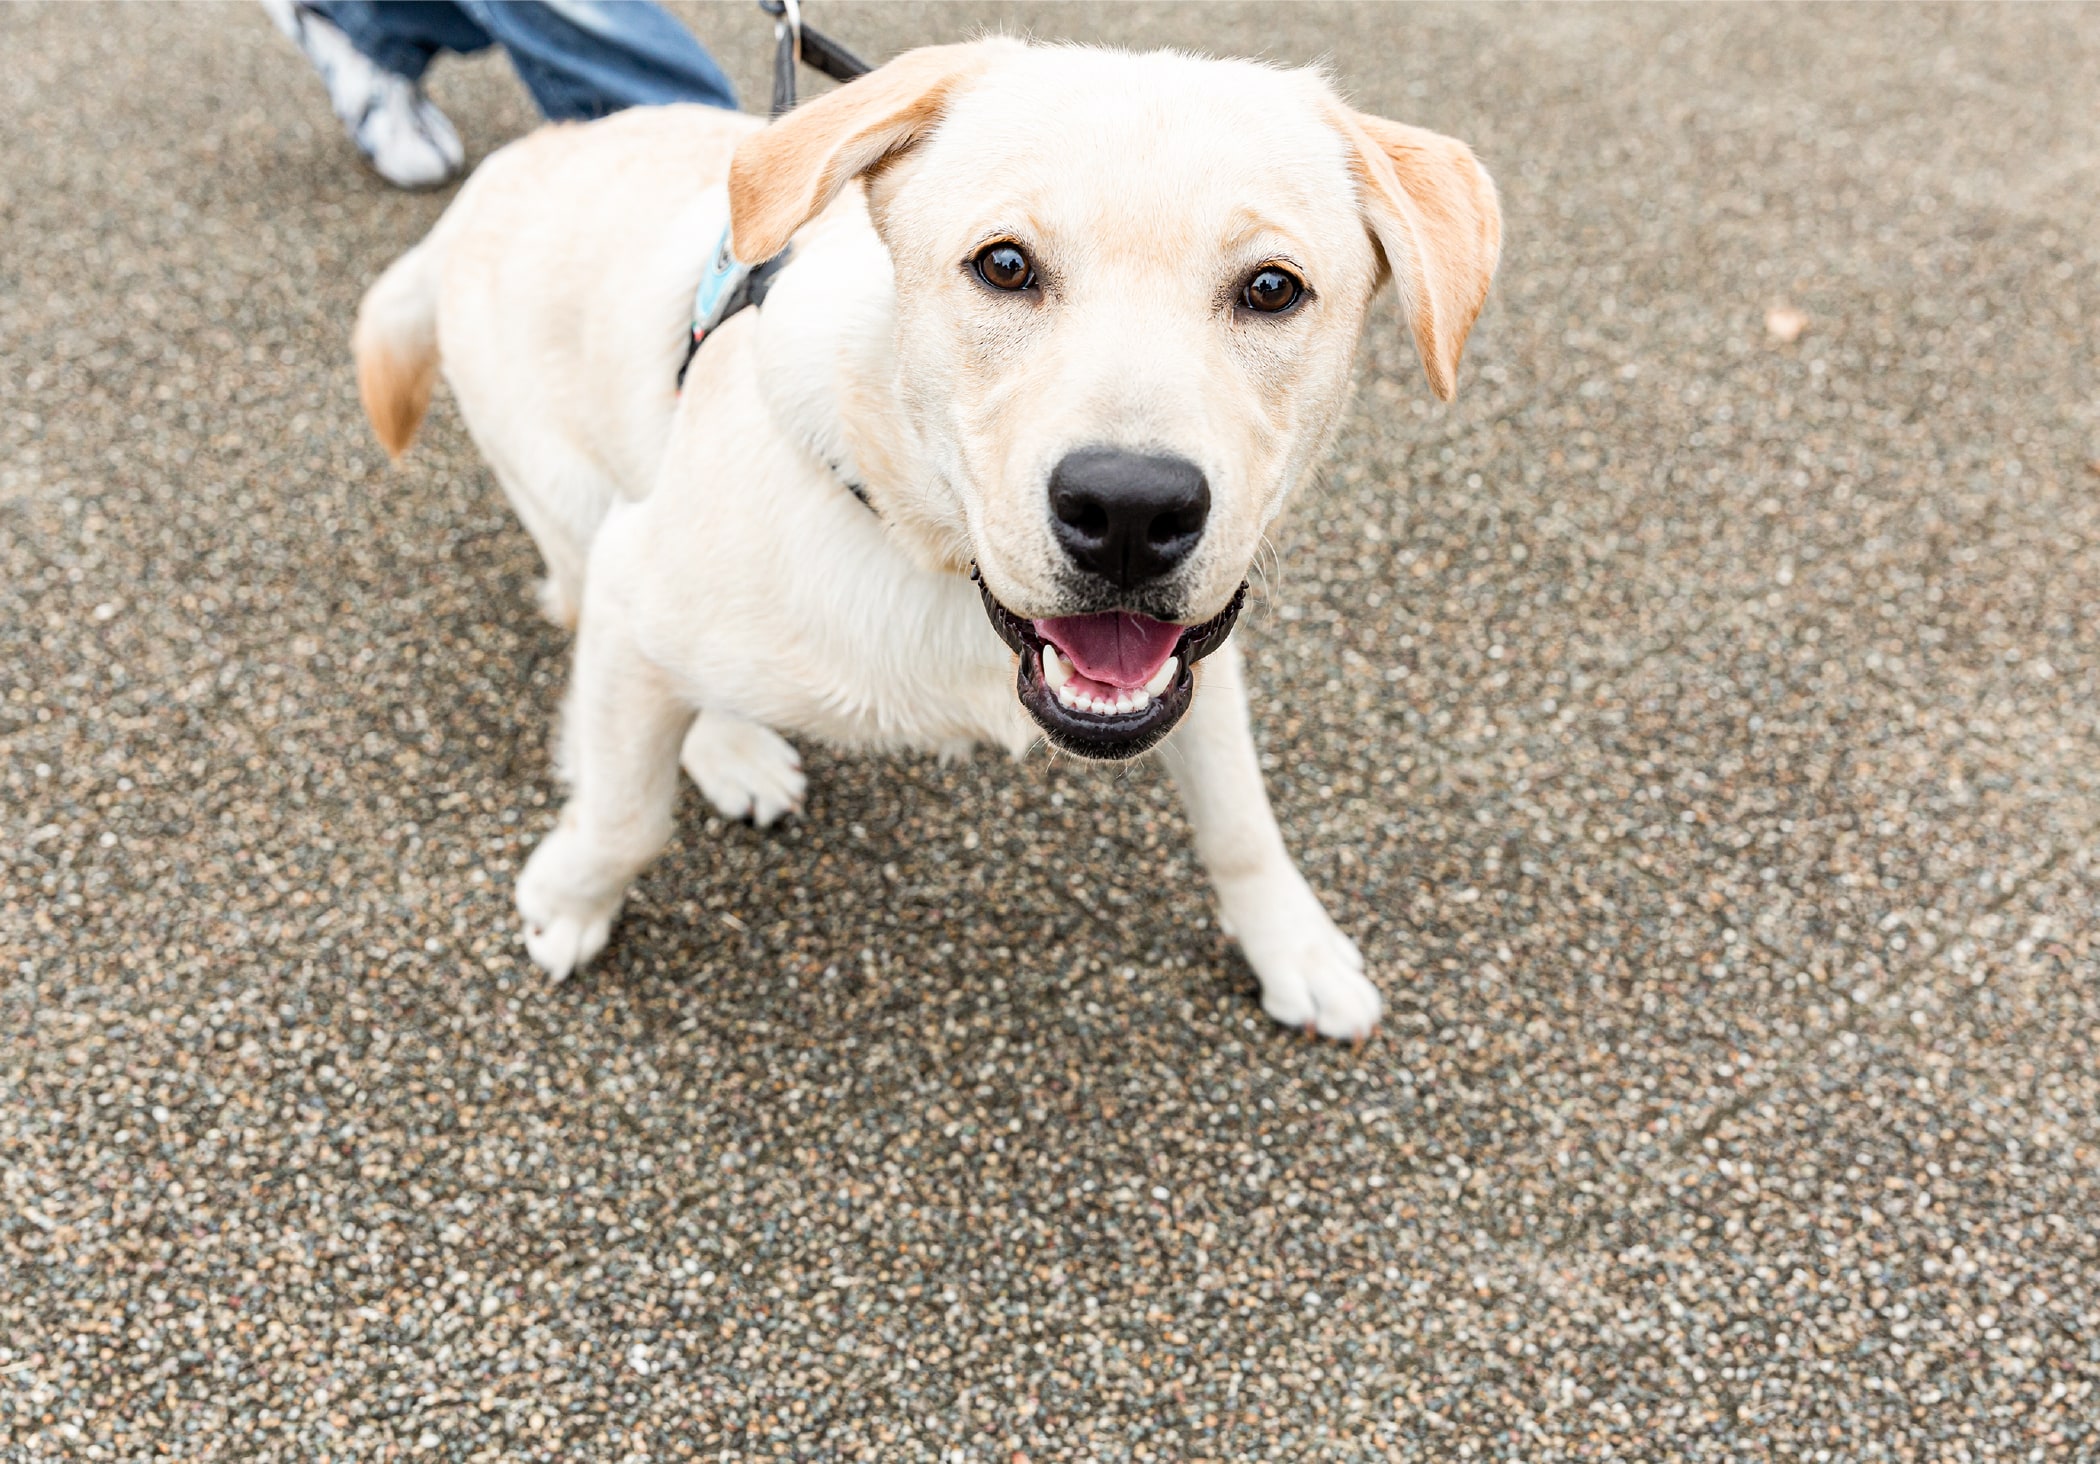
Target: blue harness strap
728, 286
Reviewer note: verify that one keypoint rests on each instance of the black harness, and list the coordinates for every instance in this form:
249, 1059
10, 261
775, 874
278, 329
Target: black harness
747, 293
729, 286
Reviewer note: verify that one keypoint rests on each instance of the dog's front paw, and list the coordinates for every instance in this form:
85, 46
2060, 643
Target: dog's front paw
562, 932
1312, 975
745, 770
1319, 982
562, 943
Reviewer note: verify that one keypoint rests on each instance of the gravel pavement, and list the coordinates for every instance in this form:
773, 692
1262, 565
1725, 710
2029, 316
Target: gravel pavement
1697, 727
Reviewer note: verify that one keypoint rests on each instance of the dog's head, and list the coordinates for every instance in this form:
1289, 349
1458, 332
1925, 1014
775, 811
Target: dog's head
1128, 293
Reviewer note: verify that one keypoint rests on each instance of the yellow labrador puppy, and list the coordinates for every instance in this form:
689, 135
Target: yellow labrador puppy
1057, 333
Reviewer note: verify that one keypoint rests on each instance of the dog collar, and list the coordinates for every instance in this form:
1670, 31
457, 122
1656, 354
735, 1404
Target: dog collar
727, 286
730, 285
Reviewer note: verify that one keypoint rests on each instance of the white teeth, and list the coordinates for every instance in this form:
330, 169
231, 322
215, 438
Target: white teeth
1056, 670
1058, 675
1120, 705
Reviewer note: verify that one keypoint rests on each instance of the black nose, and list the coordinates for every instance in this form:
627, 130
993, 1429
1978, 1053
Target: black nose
1127, 517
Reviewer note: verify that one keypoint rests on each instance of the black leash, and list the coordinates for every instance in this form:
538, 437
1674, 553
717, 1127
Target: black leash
793, 41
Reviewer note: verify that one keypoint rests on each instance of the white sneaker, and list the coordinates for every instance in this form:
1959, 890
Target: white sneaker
405, 138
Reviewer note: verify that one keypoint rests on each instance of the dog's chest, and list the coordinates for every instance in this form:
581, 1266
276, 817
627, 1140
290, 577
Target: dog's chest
789, 606
895, 658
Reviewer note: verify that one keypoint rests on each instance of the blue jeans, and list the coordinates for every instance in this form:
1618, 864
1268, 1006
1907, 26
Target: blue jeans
579, 58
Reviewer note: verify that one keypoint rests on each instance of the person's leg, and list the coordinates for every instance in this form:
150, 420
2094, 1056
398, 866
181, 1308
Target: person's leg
585, 58
402, 36
370, 58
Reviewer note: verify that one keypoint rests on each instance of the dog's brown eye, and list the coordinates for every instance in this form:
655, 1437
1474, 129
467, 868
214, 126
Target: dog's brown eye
1004, 267
1271, 290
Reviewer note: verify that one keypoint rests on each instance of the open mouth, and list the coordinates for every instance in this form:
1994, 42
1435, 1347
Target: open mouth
1109, 685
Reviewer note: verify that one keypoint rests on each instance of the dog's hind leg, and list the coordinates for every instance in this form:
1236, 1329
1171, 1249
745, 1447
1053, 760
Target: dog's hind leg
619, 753
1311, 973
560, 496
562, 549
744, 769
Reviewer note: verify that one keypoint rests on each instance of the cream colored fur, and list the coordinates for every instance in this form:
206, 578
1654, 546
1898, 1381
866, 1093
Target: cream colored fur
728, 585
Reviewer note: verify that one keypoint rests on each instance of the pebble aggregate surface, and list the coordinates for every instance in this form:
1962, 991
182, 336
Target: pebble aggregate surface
1695, 722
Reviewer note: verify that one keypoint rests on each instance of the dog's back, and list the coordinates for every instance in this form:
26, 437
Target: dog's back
554, 293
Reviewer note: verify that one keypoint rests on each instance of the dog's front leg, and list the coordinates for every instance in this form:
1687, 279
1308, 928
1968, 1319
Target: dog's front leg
1311, 974
619, 753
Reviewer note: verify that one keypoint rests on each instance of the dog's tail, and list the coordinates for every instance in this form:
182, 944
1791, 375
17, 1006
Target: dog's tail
396, 344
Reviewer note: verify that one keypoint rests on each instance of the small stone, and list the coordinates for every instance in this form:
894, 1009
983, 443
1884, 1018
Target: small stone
1784, 324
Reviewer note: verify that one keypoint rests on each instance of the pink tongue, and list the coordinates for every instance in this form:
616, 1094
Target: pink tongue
1118, 648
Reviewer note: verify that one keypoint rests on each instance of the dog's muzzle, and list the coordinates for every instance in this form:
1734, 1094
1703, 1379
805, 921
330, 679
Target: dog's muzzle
1107, 686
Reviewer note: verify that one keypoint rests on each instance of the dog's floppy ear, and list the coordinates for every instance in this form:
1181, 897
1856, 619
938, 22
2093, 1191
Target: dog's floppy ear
1432, 208
787, 174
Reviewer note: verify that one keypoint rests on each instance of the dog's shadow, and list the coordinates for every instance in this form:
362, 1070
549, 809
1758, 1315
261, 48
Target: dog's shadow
908, 886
